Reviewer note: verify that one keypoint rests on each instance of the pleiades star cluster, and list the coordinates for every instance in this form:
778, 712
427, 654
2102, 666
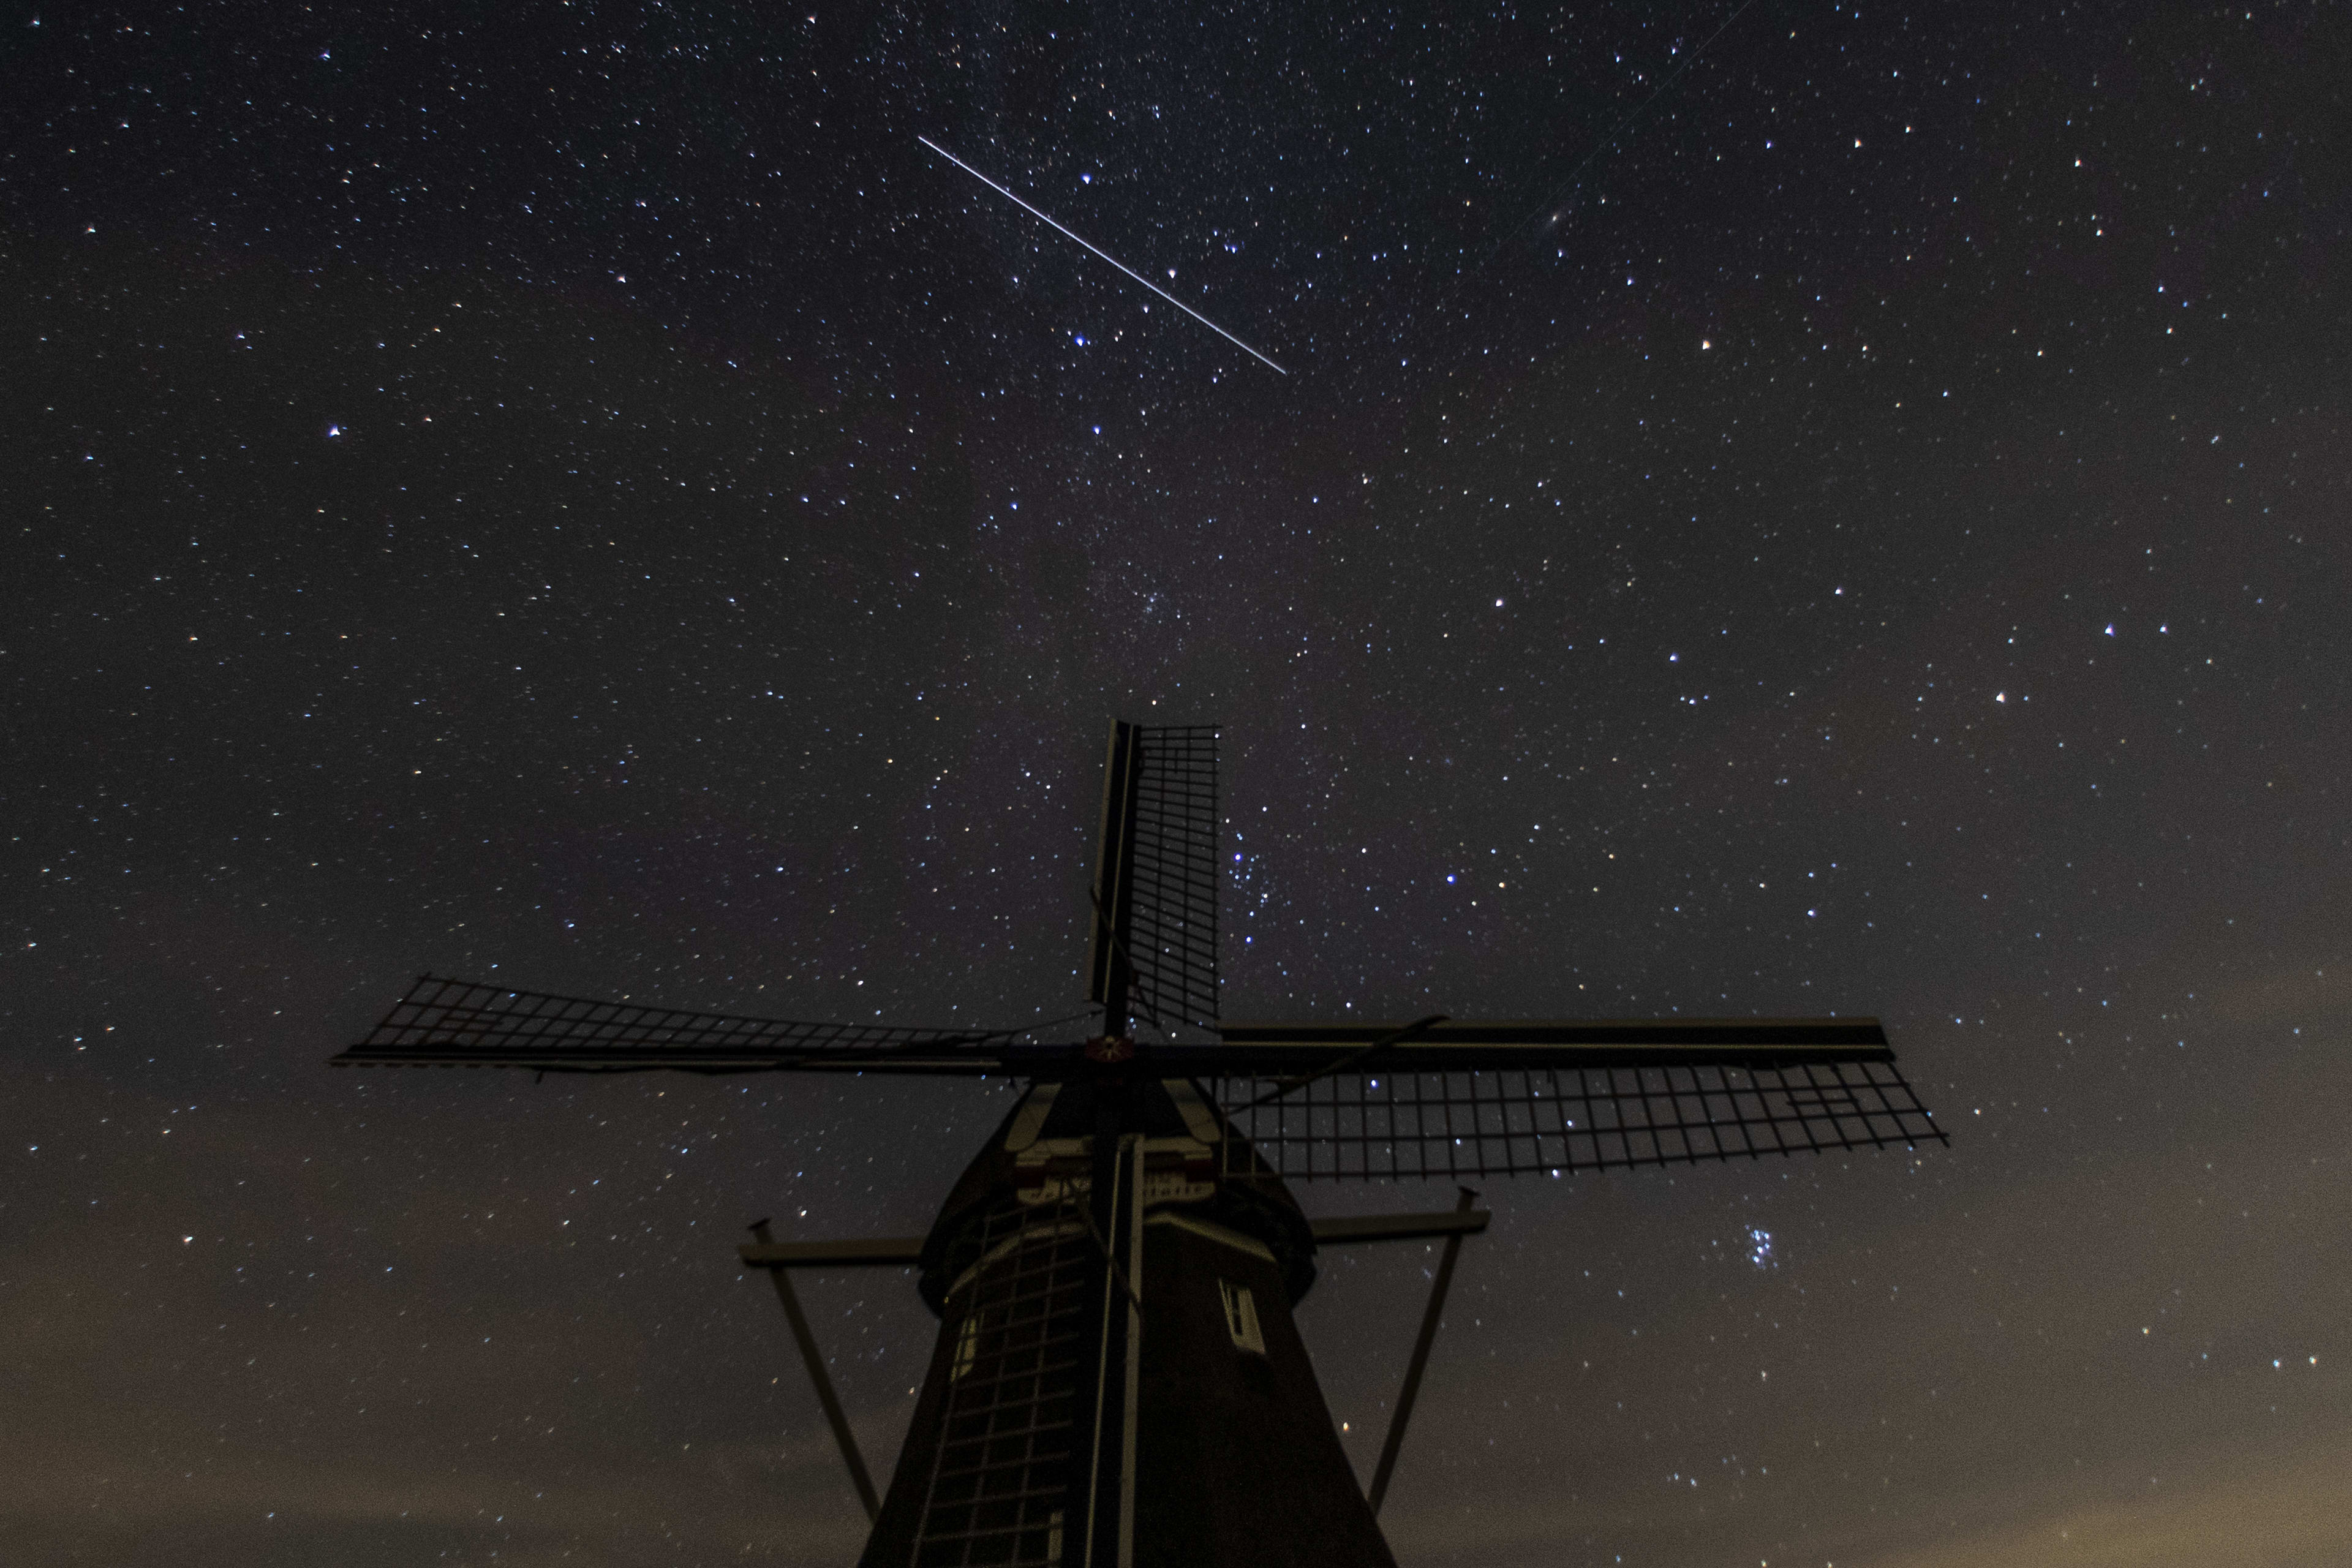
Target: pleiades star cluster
1773, 507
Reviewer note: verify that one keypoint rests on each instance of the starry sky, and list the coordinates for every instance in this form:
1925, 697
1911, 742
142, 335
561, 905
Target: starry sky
1772, 508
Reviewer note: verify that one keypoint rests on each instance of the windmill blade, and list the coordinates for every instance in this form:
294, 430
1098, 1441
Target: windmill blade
1154, 946
1454, 1044
459, 1022
1486, 1100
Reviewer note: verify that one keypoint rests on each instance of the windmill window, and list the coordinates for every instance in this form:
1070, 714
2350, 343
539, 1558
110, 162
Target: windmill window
967, 1348
1241, 1317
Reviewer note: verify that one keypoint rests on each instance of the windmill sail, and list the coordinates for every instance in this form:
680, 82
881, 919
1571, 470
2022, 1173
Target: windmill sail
991, 1482
462, 1022
1464, 1099
1556, 1120
1154, 949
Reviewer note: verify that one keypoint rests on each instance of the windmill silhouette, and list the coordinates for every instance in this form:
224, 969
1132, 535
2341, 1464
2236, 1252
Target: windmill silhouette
1118, 1379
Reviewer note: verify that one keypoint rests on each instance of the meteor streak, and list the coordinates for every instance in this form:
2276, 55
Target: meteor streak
1107, 255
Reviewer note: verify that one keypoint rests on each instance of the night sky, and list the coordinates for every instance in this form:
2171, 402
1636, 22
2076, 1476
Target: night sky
575, 495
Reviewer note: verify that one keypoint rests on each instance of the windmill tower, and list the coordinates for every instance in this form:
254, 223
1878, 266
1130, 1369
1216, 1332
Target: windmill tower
1118, 1380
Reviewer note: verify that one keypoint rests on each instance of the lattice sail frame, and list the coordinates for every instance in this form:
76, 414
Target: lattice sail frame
996, 1478
1173, 934
1537, 1120
443, 1022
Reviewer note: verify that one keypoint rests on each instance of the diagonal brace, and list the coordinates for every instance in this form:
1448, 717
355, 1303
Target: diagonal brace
824, 1395
1395, 1439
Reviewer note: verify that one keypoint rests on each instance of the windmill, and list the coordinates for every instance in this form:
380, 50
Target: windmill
1118, 1379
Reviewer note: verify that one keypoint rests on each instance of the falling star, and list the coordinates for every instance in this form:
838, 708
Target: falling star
1106, 255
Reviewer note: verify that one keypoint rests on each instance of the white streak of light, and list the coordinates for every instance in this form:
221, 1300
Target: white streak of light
1114, 260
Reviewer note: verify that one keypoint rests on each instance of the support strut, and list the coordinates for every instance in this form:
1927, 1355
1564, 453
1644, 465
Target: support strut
824, 1395
1395, 1440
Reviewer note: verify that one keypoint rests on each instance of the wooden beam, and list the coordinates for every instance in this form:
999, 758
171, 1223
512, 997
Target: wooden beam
862, 1254
1395, 1442
806, 1340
